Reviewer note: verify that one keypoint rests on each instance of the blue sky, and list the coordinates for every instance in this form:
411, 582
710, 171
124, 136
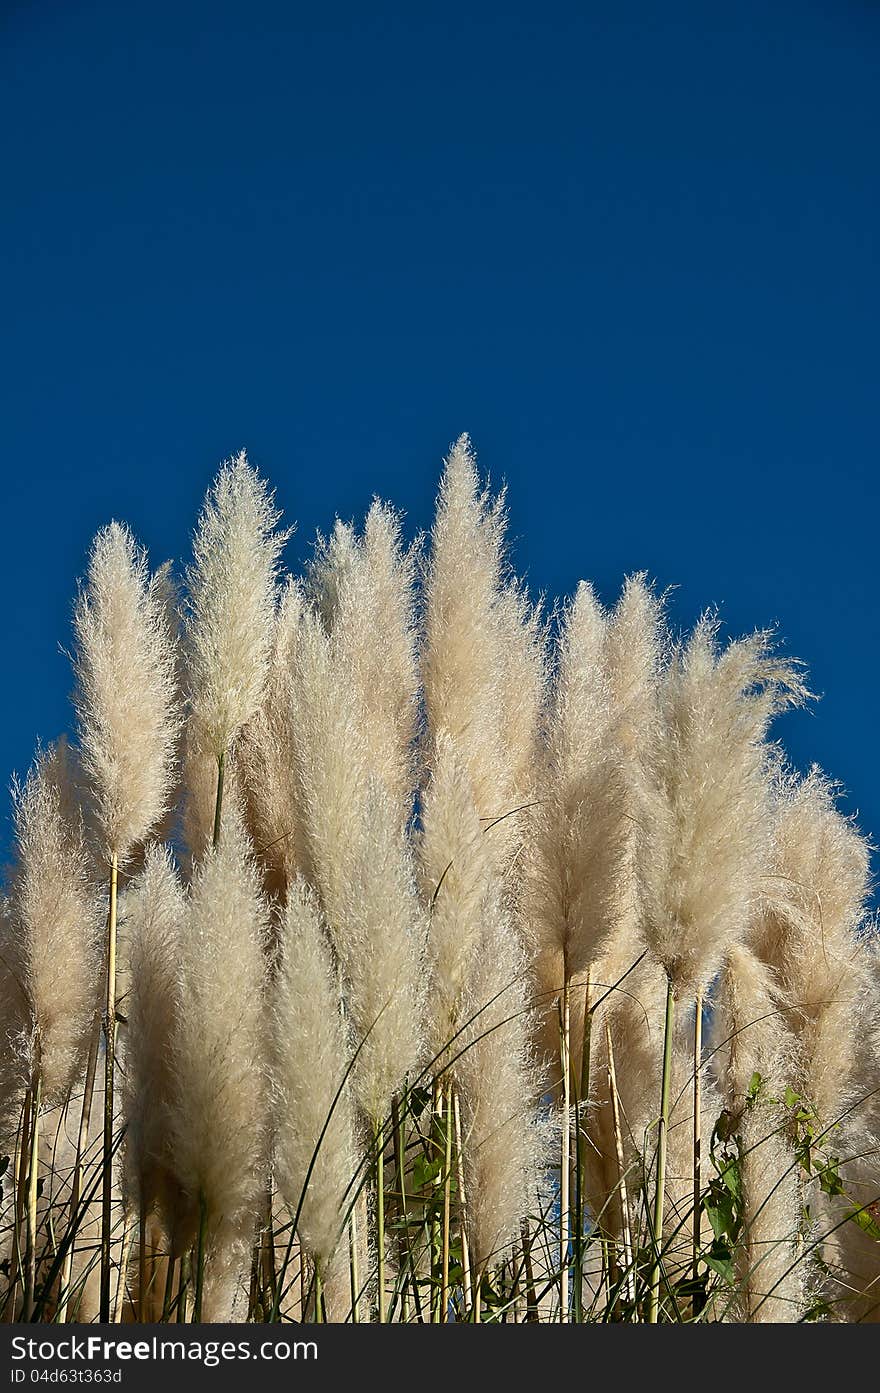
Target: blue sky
631, 248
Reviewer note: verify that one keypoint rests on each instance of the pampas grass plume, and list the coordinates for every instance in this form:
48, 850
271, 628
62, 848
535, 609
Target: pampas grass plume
704, 810
379, 940
218, 1113
456, 873
54, 921
126, 696
231, 590
462, 657
315, 1154
154, 925
504, 1144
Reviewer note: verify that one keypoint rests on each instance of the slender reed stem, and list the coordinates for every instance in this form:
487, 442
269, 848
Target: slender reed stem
182, 1284
127, 1236
447, 1206
659, 1193
462, 1202
354, 1263
565, 1159
320, 1314
439, 1097
142, 1263
20, 1183
582, 1087
201, 1250
407, 1263
380, 1219
270, 1275
76, 1184
626, 1224
218, 806
168, 1297
30, 1268
698, 1141
528, 1269
109, 1062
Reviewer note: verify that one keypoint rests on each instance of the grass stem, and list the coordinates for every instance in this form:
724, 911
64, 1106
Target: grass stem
565, 1157
698, 1145
662, 1136
76, 1183
379, 1138
109, 1063
30, 1267
447, 1206
201, 1257
462, 1202
218, 804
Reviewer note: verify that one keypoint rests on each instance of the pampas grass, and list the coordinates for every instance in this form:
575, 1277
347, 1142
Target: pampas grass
53, 951
128, 726
464, 664
705, 800
126, 694
154, 927
504, 1144
52, 958
267, 756
218, 1123
424, 894
230, 594
315, 1146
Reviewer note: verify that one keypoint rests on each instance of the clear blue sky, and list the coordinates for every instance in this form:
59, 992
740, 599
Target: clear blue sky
631, 247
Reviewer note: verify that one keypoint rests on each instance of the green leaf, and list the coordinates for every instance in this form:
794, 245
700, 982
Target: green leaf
720, 1259
866, 1221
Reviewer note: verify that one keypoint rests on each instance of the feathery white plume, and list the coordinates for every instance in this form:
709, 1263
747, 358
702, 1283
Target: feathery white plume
379, 939
364, 589
154, 923
54, 923
813, 903
267, 756
218, 1115
462, 656
704, 813
456, 874
127, 691
231, 595
315, 1153
504, 1145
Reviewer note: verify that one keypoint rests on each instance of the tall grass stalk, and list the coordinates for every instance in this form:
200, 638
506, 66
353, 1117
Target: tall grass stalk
21, 1160
354, 1265
128, 1232
662, 1136
565, 1153
462, 1203
629, 1282
109, 1066
698, 1140
379, 1142
201, 1256
447, 1206
76, 1183
218, 804
582, 1098
436, 1234
32, 1186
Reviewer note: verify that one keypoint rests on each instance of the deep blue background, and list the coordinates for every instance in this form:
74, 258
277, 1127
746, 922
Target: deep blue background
631, 248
